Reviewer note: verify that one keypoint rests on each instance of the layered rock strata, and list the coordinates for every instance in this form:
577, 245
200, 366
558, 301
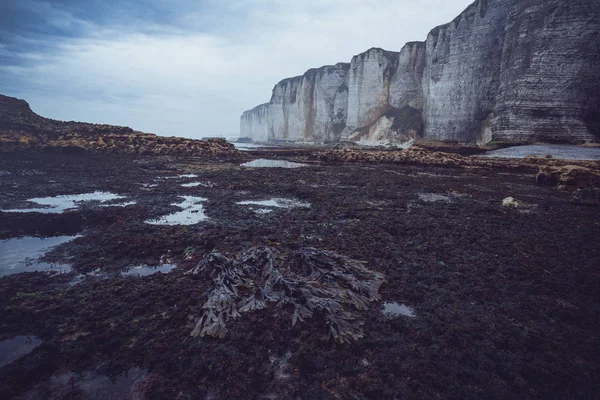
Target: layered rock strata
503, 70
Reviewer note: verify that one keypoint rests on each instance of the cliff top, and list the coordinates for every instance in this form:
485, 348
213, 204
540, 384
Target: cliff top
340, 65
314, 71
387, 53
477, 5
248, 112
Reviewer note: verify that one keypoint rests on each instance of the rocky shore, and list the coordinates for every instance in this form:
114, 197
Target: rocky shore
446, 279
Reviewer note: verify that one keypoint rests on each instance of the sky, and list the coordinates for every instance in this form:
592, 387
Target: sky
188, 67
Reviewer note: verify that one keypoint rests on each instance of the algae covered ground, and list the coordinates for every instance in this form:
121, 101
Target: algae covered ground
476, 300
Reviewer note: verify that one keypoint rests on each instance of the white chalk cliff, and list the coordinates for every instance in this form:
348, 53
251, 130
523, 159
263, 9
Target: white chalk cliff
503, 70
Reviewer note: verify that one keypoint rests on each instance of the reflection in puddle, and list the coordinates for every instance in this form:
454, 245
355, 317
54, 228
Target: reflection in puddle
60, 204
394, 309
22, 254
264, 163
192, 212
15, 348
275, 202
432, 198
146, 270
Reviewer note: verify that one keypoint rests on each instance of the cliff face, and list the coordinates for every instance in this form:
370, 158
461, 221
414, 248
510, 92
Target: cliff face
23, 130
369, 86
510, 70
255, 124
311, 106
549, 78
462, 72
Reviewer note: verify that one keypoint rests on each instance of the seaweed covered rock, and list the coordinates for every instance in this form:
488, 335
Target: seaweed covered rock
568, 175
413, 155
308, 281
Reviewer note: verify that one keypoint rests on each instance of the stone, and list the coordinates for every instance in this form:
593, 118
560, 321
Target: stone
510, 202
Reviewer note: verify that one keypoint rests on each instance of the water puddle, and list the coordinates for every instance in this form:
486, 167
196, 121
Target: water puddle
192, 212
179, 176
196, 184
23, 254
393, 310
126, 204
263, 211
264, 163
62, 203
97, 273
249, 146
433, 198
567, 152
275, 202
17, 347
146, 270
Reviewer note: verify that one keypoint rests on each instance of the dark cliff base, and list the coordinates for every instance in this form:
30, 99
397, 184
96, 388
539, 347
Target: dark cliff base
506, 299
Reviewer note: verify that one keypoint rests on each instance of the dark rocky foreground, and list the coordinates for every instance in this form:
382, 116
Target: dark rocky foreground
505, 299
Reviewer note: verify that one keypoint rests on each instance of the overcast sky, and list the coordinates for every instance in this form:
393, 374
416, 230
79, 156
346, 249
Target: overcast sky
188, 67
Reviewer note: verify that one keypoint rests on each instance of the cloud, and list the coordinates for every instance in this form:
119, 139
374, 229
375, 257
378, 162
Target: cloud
194, 69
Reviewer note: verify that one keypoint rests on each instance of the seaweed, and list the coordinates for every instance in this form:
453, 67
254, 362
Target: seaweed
308, 280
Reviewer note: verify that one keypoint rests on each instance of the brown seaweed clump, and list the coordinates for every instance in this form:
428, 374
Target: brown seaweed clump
308, 280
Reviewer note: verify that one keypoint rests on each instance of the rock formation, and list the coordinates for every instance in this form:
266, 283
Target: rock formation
503, 70
21, 129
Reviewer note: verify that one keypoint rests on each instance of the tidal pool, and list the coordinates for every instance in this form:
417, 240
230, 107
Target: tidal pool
434, 198
62, 203
95, 274
263, 211
192, 212
393, 309
146, 270
126, 204
179, 176
249, 146
567, 152
275, 202
264, 163
16, 347
23, 254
